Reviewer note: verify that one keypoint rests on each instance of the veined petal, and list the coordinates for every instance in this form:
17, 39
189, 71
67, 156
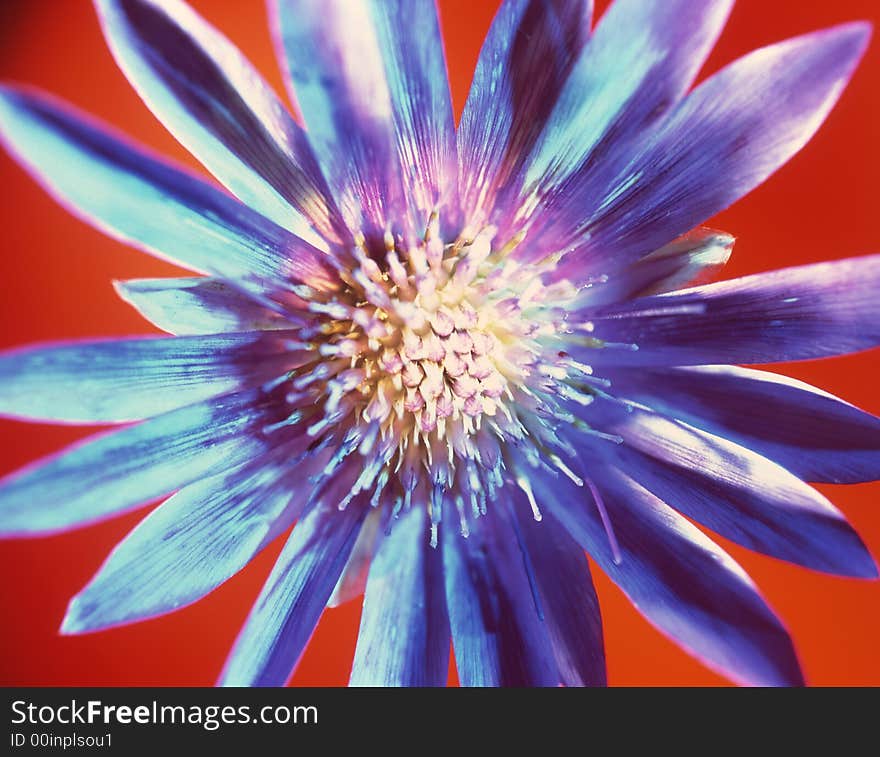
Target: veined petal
795, 313
188, 546
523, 65
737, 493
498, 631
640, 61
135, 197
815, 435
294, 596
568, 599
197, 305
404, 633
724, 139
132, 379
370, 78
213, 100
680, 580
109, 474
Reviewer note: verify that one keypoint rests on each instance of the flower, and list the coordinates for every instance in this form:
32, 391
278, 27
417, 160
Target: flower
456, 359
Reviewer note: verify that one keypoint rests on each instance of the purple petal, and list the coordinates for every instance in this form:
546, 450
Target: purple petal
737, 493
815, 435
404, 633
370, 78
726, 138
796, 313
524, 62
187, 546
498, 632
568, 599
294, 596
109, 474
133, 379
163, 210
642, 58
692, 259
197, 305
680, 580
220, 108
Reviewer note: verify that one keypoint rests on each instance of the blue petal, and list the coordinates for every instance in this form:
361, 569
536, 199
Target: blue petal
796, 313
109, 474
404, 633
187, 546
157, 207
642, 58
294, 596
568, 599
737, 493
220, 108
197, 305
370, 78
815, 435
133, 379
498, 631
524, 62
353, 581
680, 580
722, 141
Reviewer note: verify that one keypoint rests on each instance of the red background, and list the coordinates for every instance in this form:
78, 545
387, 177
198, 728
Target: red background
56, 275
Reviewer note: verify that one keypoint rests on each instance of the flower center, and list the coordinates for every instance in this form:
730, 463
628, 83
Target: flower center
432, 362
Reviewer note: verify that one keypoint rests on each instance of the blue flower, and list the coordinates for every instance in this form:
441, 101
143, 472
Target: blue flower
456, 359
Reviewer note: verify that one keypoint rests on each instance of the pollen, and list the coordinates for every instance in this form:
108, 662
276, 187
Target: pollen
433, 359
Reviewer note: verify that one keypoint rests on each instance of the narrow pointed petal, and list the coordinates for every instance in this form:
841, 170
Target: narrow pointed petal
737, 493
293, 598
680, 580
640, 61
109, 474
692, 259
568, 599
796, 313
187, 546
370, 78
353, 581
725, 139
159, 208
523, 65
197, 305
811, 433
132, 379
213, 100
498, 630
404, 634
